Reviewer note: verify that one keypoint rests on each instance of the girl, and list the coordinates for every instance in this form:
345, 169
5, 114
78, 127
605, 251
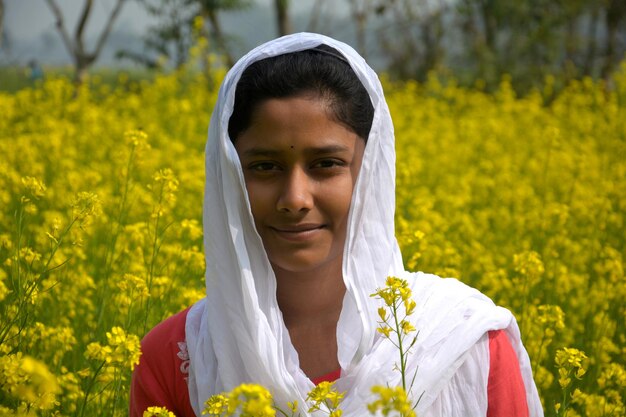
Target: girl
299, 232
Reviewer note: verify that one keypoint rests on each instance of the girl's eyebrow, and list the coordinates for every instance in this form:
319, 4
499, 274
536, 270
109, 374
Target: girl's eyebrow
252, 152
321, 150
328, 149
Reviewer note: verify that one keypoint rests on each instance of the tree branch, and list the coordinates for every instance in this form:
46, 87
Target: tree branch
80, 28
108, 27
61, 27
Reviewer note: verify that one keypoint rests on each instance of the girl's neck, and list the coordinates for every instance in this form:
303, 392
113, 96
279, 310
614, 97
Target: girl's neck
310, 297
311, 303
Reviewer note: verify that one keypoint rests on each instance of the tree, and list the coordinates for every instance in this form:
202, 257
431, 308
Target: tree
413, 36
282, 17
361, 11
82, 58
531, 38
172, 35
210, 9
1, 24
316, 13
615, 14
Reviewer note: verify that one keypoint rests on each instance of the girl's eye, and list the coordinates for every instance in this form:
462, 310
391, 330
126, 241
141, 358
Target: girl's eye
329, 163
263, 166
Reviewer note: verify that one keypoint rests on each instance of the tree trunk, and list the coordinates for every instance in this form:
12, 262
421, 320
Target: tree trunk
82, 59
615, 12
82, 62
316, 12
282, 17
491, 27
360, 11
432, 32
590, 56
486, 45
609, 55
218, 36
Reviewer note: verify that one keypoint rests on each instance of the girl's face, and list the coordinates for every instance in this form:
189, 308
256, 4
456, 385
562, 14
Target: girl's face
300, 168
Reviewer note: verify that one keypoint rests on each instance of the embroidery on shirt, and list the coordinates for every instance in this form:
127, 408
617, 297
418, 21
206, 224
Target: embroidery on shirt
183, 355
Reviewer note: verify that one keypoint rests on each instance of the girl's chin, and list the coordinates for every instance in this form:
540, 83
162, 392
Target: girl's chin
304, 263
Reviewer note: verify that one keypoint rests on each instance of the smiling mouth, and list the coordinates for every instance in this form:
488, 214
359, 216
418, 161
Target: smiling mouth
299, 232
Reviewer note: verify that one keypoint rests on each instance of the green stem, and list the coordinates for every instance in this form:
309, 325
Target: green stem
525, 299
108, 260
564, 403
18, 249
58, 245
155, 249
400, 348
118, 388
23, 307
281, 411
89, 388
110, 251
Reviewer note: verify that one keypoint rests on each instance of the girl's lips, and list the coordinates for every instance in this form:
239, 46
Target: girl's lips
298, 233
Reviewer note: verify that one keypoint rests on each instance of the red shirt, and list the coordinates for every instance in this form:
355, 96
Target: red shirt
160, 379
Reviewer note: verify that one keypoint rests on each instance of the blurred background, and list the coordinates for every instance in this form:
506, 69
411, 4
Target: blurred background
475, 41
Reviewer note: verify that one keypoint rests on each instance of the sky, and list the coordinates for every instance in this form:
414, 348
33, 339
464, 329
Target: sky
29, 19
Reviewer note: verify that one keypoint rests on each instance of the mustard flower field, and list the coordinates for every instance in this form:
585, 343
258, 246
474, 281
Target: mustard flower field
101, 236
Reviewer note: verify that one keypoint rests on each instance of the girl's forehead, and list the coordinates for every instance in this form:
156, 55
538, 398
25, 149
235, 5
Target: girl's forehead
294, 125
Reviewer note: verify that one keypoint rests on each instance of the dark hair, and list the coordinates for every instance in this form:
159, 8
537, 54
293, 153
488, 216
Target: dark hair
321, 71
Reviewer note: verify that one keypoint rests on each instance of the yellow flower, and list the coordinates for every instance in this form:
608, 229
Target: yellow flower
252, 400
382, 313
29, 255
384, 330
406, 327
391, 399
570, 360
136, 138
122, 350
529, 264
192, 227
158, 412
28, 380
216, 405
35, 187
395, 290
86, 205
96, 351
165, 187
409, 306
324, 394
4, 291
395, 294
125, 348
293, 406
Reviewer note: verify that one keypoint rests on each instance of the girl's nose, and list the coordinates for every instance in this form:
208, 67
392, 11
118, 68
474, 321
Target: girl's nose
295, 195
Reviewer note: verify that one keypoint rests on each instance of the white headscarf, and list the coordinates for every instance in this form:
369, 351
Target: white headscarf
237, 334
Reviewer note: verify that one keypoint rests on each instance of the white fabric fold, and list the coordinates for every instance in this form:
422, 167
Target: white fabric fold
237, 334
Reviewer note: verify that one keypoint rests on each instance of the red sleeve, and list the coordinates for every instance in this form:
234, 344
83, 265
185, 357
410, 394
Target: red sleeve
160, 379
505, 389
329, 377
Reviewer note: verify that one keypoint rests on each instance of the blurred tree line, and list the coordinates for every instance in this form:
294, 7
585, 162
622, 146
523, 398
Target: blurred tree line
474, 41
488, 39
